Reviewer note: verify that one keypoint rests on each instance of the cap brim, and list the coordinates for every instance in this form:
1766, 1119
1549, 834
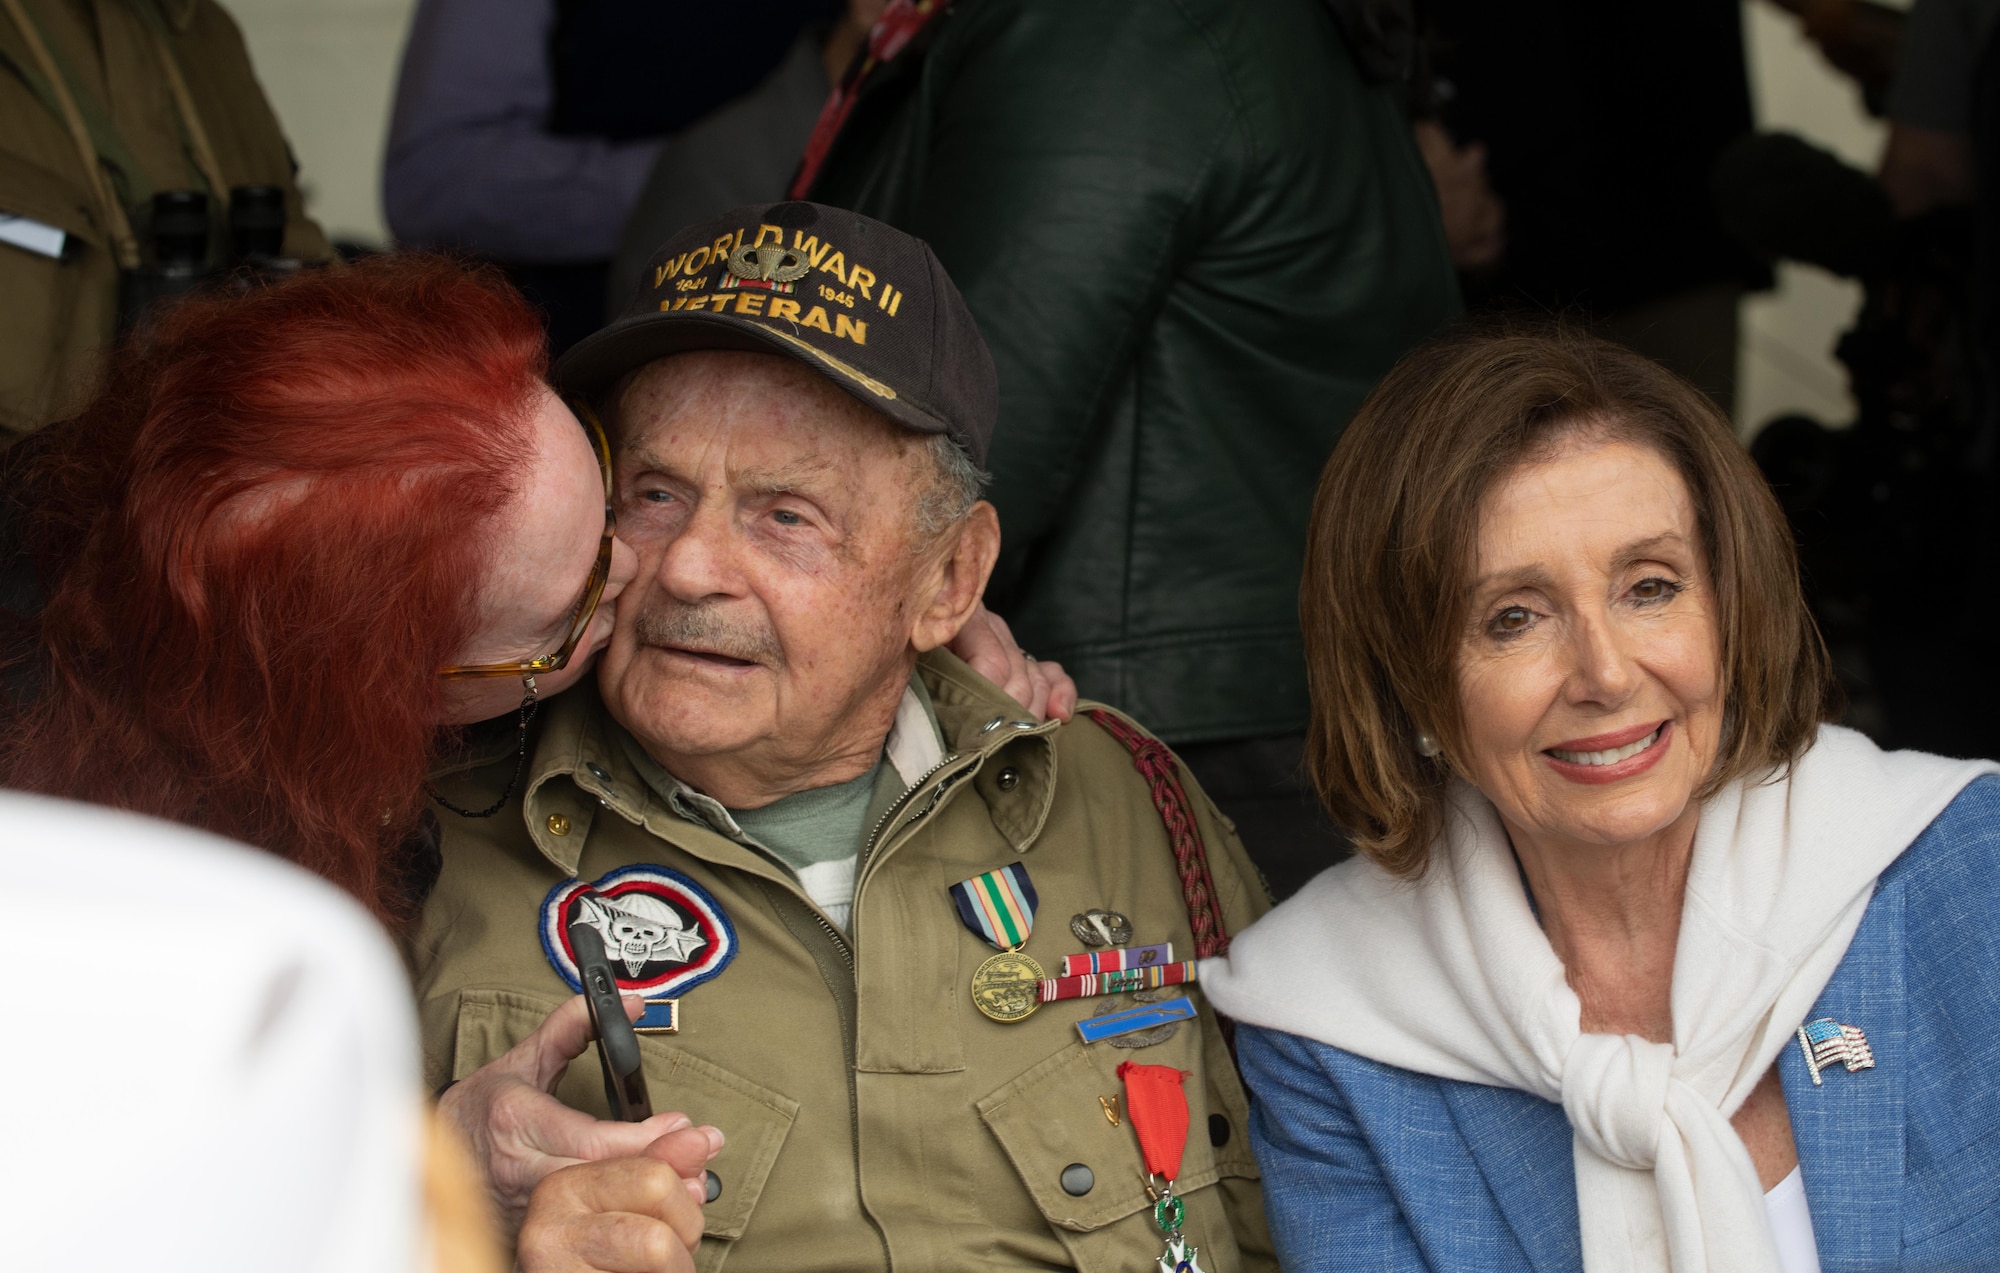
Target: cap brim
597, 361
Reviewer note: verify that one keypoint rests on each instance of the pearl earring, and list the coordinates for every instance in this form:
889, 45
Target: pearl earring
1428, 746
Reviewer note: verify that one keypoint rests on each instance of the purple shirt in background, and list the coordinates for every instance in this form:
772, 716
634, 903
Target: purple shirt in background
471, 162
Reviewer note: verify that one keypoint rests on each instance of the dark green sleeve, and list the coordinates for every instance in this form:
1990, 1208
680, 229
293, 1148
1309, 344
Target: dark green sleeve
1069, 147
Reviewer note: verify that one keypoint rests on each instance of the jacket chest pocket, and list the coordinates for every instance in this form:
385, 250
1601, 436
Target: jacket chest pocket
1087, 1177
755, 1120
59, 310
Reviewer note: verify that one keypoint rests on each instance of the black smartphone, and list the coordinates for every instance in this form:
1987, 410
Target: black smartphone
617, 1044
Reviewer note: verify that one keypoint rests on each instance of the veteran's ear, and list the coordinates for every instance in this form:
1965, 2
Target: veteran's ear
950, 587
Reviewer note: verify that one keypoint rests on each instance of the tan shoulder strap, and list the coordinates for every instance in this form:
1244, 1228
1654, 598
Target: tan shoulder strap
117, 226
197, 136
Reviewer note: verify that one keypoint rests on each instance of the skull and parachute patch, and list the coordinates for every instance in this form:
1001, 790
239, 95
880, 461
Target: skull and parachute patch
663, 933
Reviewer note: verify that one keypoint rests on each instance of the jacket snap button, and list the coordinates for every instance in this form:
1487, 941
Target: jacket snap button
993, 724
1218, 1130
1009, 779
713, 1189
597, 772
1077, 1180
558, 824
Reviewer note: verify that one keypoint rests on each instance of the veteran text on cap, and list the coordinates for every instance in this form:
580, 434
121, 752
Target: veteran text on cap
862, 303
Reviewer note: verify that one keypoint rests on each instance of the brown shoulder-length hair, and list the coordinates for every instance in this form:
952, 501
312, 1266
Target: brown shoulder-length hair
1394, 529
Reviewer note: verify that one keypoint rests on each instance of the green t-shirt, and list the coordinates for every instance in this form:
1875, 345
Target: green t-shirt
821, 825
818, 834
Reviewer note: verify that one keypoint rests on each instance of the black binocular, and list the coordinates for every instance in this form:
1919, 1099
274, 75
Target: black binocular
180, 260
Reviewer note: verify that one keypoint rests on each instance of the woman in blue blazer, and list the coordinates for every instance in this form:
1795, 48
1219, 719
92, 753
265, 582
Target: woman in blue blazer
1641, 965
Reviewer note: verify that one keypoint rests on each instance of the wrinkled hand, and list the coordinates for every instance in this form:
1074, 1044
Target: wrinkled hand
987, 643
623, 1215
519, 1133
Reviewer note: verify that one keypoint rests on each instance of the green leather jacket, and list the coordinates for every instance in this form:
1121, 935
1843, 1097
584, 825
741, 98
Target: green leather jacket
1194, 239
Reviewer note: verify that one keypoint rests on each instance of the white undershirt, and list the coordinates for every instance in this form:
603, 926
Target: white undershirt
1791, 1224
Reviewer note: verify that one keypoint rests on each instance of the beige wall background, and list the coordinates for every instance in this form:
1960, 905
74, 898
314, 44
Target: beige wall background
329, 67
1788, 334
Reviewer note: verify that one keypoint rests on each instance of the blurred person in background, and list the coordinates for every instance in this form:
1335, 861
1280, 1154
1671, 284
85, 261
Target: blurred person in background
1936, 105
744, 153
105, 104
234, 582
1580, 136
1193, 236
1888, 506
526, 130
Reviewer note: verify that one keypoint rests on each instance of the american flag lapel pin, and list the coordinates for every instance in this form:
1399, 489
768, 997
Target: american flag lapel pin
1826, 1042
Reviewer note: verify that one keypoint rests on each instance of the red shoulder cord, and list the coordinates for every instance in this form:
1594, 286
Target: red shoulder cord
1156, 765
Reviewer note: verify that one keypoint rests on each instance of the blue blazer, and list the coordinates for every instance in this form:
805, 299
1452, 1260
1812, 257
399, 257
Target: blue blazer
1371, 1167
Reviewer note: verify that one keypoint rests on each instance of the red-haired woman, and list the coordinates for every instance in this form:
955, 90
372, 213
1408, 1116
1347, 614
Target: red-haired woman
255, 552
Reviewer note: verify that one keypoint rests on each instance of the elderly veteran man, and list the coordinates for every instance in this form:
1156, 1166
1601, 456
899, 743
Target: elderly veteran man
888, 928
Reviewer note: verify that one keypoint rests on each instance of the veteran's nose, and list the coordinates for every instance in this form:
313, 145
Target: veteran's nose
701, 561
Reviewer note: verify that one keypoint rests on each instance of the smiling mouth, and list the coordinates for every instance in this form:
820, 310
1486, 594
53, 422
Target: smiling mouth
1612, 756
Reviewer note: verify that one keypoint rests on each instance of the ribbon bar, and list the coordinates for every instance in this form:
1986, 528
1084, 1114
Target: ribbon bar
1112, 983
1116, 960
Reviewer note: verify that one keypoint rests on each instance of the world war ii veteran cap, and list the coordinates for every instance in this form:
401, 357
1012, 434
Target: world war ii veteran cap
860, 302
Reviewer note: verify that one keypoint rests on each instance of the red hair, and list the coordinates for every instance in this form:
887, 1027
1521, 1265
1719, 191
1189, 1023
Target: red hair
260, 543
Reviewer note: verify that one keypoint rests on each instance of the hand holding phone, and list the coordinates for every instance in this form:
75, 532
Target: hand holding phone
617, 1044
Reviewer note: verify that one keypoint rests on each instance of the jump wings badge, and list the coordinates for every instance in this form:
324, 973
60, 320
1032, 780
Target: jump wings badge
768, 268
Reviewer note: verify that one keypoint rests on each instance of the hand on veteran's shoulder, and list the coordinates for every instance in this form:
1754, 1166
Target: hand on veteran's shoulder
520, 1133
622, 1215
987, 645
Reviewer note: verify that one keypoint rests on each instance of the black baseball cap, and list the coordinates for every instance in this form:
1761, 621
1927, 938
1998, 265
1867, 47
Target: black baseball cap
862, 303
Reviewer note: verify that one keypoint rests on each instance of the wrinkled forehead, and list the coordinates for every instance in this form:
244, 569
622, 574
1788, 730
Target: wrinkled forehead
770, 412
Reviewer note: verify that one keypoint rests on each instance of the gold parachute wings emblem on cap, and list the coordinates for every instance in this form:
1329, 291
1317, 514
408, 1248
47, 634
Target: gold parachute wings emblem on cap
770, 263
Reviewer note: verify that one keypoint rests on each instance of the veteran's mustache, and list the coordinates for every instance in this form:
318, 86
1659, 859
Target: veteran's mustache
666, 623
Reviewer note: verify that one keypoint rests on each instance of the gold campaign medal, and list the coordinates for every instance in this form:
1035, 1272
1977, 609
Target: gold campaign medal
1006, 987
999, 905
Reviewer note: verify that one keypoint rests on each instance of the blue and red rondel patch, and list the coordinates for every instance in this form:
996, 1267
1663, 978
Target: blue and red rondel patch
664, 933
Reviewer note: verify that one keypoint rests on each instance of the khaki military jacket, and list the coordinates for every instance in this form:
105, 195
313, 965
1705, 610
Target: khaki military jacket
58, 316
875, 1119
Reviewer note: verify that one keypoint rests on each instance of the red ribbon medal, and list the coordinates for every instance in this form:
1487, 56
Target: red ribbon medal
1157, 1105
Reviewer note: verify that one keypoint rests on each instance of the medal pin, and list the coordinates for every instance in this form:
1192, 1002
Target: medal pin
999, 907
1156, 1103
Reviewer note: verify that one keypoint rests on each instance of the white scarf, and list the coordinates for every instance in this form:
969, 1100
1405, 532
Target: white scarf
1452, 976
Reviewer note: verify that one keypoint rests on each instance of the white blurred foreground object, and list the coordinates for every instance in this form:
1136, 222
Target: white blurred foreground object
209, 1060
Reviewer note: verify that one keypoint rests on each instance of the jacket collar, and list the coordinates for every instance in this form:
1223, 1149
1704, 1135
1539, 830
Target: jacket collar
983, 738
912, 749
